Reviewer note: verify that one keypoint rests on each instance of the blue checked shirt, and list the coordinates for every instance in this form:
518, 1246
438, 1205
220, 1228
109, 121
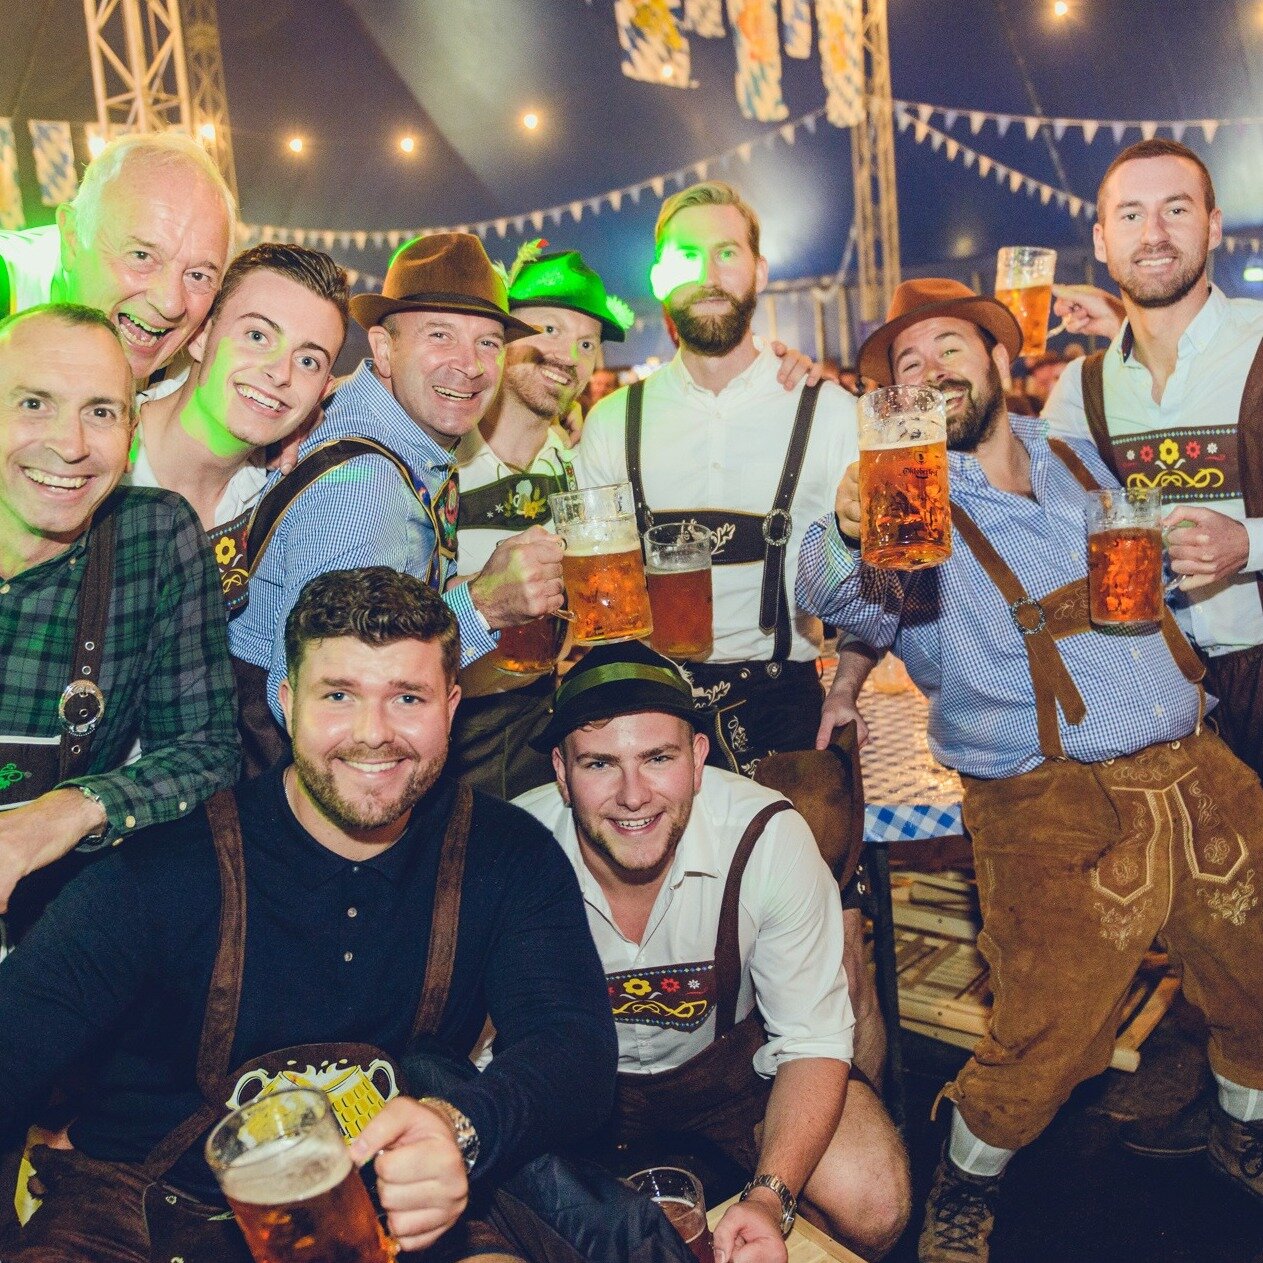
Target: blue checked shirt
953, 630
361, 514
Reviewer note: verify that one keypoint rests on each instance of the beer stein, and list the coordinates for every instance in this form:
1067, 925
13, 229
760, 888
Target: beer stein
1125, 557
677, 570
602, 569
285, 1170
905, 516
1023, 283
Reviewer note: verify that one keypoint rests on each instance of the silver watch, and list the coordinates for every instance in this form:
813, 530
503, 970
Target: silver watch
466, 1135
789, 1203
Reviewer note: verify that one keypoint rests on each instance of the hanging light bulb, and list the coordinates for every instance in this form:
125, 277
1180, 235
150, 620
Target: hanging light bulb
295, 144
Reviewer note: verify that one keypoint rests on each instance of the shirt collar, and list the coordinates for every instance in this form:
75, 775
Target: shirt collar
363, 391
1031, 432
751, 376
1196, 338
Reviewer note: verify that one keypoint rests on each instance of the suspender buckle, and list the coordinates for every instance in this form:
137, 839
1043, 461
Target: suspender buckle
1028, 616
81, 707
777, 518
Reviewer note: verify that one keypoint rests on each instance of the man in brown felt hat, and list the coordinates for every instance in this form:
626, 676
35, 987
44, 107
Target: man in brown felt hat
1102, 811
376, 484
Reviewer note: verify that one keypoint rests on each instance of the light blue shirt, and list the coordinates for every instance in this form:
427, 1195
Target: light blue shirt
360, 514
953, 630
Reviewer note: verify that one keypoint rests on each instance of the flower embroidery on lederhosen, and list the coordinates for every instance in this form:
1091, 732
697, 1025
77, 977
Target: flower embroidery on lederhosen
441, 509
675, 997
229, 544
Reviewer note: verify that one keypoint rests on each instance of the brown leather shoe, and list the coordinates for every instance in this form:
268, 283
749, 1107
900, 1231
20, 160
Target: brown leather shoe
1236, 1150
959, 1216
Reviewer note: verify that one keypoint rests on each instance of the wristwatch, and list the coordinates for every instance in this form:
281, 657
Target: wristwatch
93, 841
789, 1203
466, 1136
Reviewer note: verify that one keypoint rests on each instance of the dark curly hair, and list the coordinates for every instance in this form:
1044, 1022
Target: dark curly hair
375, 605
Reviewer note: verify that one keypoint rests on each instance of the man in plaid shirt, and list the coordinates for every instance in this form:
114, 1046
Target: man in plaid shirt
111, 628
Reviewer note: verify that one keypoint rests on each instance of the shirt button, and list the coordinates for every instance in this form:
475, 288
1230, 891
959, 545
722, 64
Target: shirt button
184, 806
130, 822
1175, 745
1157, 710
1135, 655
4, 588
353, 912
348, 957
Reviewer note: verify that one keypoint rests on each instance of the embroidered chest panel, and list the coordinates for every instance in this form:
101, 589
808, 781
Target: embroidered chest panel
1188, 464
675, 997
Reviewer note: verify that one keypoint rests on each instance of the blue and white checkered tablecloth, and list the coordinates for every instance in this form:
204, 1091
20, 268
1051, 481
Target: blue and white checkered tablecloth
910, 795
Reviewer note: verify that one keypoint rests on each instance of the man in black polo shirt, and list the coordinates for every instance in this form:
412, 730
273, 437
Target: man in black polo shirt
390, 912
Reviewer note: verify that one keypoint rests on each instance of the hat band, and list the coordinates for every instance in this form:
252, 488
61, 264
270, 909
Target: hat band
612, 672
456, 300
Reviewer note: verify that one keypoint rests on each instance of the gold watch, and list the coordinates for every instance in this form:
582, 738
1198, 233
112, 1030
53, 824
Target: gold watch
789, 1203
466, 1136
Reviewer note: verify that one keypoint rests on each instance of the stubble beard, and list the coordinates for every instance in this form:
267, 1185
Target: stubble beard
982, 414
522, 381
318, 781
1149, 293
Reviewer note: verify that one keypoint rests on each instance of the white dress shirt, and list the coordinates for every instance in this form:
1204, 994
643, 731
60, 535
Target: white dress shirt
789, 930
726, 451
1212, 360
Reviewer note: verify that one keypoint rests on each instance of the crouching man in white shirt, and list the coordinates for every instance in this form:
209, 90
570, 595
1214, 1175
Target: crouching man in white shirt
719, 927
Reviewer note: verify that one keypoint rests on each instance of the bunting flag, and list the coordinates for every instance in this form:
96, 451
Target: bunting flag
907, 115
842, 59
758, 45
704, 18
11, 215
654, 49
1089, 127
796, 28
54, 161
1234, 242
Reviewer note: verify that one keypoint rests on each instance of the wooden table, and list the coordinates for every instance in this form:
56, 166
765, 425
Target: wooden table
807, 1244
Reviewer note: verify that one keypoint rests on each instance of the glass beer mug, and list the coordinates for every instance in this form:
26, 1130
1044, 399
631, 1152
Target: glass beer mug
1023, 283
905, 516
602, 569
678, 571
1125, 557
287, 1173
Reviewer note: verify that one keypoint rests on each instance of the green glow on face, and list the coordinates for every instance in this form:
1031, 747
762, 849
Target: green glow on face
675, 267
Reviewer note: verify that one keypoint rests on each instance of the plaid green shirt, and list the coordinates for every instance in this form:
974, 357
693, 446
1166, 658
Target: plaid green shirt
165, 670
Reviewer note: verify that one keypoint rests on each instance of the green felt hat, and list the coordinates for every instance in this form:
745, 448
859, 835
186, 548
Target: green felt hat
565, 280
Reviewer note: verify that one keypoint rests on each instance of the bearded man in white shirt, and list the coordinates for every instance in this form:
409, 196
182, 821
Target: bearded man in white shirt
720, 932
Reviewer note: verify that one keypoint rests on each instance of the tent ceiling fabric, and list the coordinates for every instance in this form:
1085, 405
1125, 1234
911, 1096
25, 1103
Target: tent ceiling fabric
352, 75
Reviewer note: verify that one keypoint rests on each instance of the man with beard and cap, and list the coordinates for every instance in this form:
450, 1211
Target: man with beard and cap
146, 241
508, 467
375, 482
1102, 811
111, 629
720, 933
713, 437
346, 921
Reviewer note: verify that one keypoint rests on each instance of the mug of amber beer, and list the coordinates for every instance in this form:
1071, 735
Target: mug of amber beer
905, 518
285, 1169
1125, 581
679, 1196
1023, 283
602, 569
677, 570
530, 648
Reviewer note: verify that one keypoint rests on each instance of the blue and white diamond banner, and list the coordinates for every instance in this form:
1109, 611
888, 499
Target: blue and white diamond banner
796, 28
757, 36
653, 48
11, 215
54, 161
840, 24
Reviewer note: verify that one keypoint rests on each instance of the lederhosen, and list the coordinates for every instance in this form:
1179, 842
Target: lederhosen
766, 705
716, 1093
359, 1079
1062, 612
490, 747
1235, 469
31, 765
264, 742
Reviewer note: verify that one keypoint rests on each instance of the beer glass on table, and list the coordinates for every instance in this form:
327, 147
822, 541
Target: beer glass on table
603, 569
679, 1196
905, 517
287, 1173
1023, 283
1125, 580
677, 569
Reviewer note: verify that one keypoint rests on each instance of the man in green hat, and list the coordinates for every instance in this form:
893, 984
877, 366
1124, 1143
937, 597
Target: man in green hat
508, 466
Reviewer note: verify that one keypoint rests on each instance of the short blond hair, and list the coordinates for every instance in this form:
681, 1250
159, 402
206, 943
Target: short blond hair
708, 193
149, 151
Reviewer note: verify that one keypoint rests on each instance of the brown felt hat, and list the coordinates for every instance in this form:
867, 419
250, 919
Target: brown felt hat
923, 299
445, 271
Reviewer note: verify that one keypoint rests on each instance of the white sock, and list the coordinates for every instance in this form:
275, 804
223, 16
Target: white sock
1243, 1104
973, 1155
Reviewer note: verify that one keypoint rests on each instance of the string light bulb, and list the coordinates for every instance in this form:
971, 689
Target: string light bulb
206, 132
530, 120
408, 144
295, 144
1061, 9
95, 145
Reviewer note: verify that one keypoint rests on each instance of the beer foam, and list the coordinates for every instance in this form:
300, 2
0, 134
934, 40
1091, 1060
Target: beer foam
586, 539
289, 1169
915, 431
